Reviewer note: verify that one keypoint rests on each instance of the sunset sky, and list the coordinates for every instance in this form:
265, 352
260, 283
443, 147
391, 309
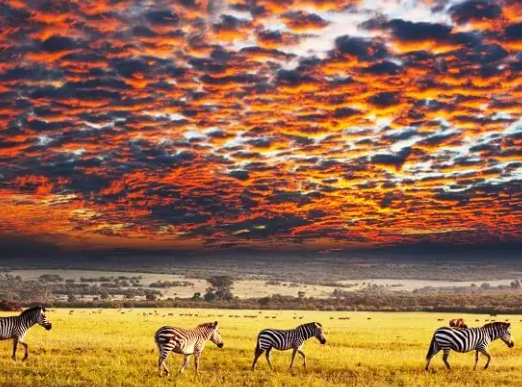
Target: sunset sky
260, 123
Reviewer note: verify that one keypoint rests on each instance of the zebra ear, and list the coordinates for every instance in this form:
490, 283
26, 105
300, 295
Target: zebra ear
215, 324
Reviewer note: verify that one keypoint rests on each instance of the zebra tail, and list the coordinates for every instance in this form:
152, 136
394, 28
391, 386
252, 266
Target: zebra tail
258, 345
432, 348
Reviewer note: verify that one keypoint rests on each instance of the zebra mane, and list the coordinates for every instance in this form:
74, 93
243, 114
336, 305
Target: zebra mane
208, 325
498, 324
311, 325
32, 310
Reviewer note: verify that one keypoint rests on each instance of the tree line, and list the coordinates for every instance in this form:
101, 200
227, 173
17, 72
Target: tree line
219, 294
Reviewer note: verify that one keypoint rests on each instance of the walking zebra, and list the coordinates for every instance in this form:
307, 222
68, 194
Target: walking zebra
468, 339
186, 342
283, 340
15, 327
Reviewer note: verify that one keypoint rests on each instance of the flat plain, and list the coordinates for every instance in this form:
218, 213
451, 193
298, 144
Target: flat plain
113, 348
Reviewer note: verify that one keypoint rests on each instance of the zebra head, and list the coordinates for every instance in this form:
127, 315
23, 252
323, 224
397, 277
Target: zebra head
43, 320
500, 330
319, 334
215, 336
37, 315
505, 334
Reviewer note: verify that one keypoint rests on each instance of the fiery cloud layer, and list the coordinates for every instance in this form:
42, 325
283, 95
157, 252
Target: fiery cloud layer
268, 123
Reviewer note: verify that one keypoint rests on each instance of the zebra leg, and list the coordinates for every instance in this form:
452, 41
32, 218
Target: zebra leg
258, 352
432, 351
267, 354
167, 371
294, 352
26, 348
185, 364
488, 356
445, 358
300, 352
15, 346
196, 362
161, 362
476, 359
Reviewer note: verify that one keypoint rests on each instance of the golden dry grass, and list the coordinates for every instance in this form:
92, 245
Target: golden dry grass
114, 349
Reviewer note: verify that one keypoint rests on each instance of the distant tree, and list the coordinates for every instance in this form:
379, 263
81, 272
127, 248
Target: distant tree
515, 284
264, 301
50, 278
485, 286
301, 294
210, 296
151, 296
130, 294
196, 296
220, 288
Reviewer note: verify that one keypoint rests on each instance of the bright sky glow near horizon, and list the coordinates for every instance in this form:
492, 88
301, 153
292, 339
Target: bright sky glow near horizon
260, 123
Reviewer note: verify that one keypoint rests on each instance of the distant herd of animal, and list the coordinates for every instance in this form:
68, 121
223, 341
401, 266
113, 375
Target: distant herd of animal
457, 337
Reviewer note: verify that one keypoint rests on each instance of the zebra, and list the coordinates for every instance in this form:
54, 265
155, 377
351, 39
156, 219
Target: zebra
468, 339
283, 340
15, 327
186, 342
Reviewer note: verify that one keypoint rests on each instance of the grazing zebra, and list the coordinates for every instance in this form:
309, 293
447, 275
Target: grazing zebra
15, 327
186, 342
283, 340
468, 339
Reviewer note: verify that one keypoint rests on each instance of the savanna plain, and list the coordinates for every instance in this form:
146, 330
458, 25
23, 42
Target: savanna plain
110, 347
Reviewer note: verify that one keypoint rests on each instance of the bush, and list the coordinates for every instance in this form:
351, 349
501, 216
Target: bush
10, 306
50, 278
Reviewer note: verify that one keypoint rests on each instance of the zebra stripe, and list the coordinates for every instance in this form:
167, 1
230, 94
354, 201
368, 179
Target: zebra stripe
15, 327
283, 340
186, 342
468, 339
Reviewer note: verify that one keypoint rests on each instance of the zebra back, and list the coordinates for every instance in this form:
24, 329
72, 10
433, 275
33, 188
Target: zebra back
185, 337
286, 339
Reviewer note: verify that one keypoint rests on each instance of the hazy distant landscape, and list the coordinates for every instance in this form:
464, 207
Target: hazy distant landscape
311, 281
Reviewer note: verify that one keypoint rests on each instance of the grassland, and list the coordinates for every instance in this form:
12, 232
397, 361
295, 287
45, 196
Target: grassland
108, 348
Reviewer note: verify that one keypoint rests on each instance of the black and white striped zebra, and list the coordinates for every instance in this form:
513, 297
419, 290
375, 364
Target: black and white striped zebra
283, 340
468, 339
15, 327
186, 342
